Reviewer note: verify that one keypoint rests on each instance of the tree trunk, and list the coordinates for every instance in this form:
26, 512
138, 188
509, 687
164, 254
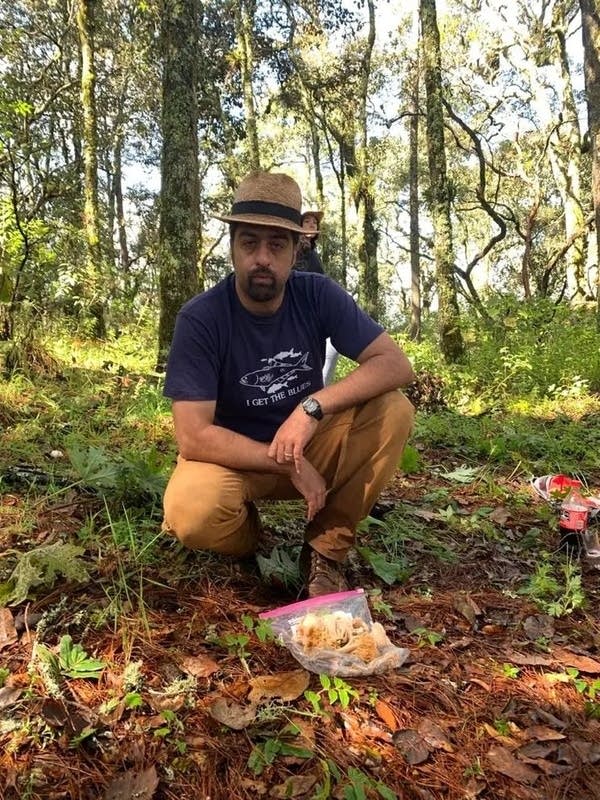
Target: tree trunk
119, 209
590, 31
244, 18
564, 148
451, 341
413, 172
368, 272
91, 212
180, 189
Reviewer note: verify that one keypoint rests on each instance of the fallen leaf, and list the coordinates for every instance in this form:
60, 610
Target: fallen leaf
528, 659
434, 735
500, 516
536, 750
493, 630
570, 659
425, 514
74, 717
129, 785
256, 787
198, 666
548, 718
501, 760
539, 626
386, 714
412, 746
542, 733
473, 789
287, 686
165, 702
294, 786
588, 752
460, 644
499, 737
232, 714
9, 696
8, 633
468, 608
547, 767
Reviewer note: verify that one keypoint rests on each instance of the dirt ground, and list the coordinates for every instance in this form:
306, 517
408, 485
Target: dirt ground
496, 700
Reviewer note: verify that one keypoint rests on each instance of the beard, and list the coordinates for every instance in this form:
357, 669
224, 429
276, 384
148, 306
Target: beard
262, 286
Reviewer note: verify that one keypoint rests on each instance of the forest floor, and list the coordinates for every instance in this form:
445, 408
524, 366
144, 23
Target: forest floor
131, 668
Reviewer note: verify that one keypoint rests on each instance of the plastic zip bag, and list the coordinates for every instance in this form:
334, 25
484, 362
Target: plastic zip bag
335, 635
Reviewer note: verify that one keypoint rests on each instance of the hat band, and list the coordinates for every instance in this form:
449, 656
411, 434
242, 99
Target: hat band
267, 209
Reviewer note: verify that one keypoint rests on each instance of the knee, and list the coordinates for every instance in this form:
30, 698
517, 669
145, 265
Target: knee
193, 530
397, 412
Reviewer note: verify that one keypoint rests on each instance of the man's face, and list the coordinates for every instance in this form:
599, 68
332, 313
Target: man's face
262, 259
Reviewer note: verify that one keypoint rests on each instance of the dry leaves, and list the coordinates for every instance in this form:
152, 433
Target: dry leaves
132, 784
8, 633
286, 686
502, 760
232, 714
198, 666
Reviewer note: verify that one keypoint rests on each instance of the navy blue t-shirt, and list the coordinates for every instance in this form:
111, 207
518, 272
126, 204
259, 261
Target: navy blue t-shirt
258, 368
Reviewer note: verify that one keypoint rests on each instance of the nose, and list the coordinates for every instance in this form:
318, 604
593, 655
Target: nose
263, 254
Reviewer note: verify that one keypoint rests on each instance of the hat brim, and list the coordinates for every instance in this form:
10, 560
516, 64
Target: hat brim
260, 219
318, 215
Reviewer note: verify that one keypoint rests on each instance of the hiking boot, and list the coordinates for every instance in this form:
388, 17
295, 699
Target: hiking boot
320, 575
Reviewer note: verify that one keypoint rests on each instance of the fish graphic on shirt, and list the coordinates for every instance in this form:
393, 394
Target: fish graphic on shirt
278, 373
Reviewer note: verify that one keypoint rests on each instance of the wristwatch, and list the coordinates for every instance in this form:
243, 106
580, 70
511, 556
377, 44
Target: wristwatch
312, 407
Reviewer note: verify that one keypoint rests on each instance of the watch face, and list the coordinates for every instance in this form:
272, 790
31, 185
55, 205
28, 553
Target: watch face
312, 407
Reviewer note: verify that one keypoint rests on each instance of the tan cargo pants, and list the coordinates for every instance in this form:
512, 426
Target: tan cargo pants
210, 507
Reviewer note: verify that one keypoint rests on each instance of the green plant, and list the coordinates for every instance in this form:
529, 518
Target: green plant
427, 637
337, 691
281, 567
474, 770
502, 726
171, 730
262, 628
589, 689
234, 643
264, 753
40, 567
510, 671
72, 661
4, 673
389, 571
379, 605
550, 594
359, 784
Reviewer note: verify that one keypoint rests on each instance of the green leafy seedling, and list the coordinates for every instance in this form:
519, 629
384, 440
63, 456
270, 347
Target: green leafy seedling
74, 662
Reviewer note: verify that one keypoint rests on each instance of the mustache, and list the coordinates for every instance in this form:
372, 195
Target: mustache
262, 271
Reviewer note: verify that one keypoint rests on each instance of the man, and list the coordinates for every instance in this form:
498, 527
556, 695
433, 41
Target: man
252, 418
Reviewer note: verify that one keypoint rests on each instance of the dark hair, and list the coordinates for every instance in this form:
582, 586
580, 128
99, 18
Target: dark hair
233, 226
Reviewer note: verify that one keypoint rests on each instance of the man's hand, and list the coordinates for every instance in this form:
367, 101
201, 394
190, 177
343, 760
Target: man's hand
292, 437
311, 486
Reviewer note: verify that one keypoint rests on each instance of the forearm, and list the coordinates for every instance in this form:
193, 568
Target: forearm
375, 376
218, 445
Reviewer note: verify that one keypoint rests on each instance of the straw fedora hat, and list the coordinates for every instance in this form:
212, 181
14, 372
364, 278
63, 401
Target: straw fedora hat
267, 198
318, 215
